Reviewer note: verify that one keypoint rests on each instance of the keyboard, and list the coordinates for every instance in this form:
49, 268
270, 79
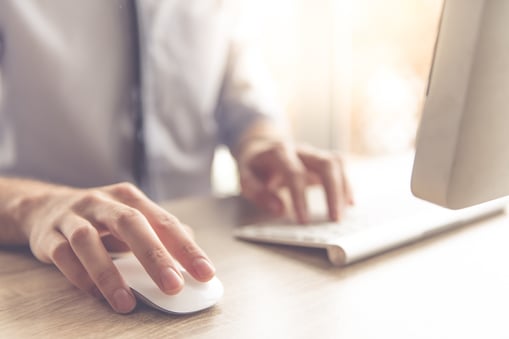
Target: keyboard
362, 234
386, 216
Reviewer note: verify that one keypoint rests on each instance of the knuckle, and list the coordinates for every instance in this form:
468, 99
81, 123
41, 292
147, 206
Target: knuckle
127, 216
156, 254
60, 252
297, 173
276, 149
89, 198
190, 249
329, 165
38, 248
126, 190
279, 147
166, 221
82, 234
105, 277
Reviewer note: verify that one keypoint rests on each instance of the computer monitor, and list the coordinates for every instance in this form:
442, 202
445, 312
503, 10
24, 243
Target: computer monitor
462, 147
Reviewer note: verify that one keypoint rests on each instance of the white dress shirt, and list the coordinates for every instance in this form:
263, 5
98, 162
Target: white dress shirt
68, 90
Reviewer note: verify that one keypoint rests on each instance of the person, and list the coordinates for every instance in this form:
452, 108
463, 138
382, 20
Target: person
109, 106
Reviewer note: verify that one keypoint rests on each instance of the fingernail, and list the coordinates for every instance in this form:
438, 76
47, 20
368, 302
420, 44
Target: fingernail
203, 268
172, 282
124, 302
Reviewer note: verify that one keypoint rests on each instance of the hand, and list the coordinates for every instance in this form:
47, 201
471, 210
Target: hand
66, 227
265, 167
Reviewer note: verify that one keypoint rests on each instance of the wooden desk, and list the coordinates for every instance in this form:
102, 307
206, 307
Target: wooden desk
452, 286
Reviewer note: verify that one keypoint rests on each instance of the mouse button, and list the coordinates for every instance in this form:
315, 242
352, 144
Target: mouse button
149, 303
145, 288
137, 278
133, 272
191, 282
193, 297
212, 289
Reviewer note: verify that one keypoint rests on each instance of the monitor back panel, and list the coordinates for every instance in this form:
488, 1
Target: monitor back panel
462, 149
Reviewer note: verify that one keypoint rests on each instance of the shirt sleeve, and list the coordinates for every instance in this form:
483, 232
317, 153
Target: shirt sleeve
247, 95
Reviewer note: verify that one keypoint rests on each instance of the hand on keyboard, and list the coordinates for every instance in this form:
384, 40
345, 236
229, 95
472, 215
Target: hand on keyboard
267, 166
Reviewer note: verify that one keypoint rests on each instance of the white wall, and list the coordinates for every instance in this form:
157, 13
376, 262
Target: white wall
351, 72
307, 47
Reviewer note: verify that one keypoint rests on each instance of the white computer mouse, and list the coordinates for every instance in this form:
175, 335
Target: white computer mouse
194, 297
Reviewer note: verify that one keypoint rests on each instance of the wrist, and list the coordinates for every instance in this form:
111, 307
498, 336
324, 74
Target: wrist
27, 210
260, 135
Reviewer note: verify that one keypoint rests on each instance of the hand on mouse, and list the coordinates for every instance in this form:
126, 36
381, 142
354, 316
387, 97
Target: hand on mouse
67, 226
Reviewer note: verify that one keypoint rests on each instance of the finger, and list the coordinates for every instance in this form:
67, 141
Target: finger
295, 176
188, 230
279, 167
62, 255
262, 195
168, 231
296, 181
132, 227
348, 190
333, 187
86, 244
330, 170
181, 245
114, 245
